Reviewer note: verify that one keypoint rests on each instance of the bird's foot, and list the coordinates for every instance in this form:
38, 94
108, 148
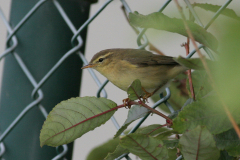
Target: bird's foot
125, 102
147, 95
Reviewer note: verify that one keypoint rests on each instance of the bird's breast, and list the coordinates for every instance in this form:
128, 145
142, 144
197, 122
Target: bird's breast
122, 74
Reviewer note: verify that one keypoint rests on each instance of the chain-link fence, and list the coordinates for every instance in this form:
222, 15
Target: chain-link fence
14, 42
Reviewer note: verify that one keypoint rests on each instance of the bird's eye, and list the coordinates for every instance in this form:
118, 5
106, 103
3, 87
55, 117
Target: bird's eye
100, 60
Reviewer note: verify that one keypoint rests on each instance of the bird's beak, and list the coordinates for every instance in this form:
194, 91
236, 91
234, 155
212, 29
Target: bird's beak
88, 66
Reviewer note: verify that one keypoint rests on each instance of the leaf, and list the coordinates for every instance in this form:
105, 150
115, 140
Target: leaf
224, 156
100, 152
134, 113
170, 144
134, 91
208, 112
145, 147
198, 144
228, 141
179, 94
201, 83
160, 21
160, 133
193, 63
152, 130
72, 118
214, 8
172, 154
226, 72
117, 153
165, 135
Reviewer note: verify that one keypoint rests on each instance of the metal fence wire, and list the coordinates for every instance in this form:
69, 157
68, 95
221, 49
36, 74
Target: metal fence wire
77, 42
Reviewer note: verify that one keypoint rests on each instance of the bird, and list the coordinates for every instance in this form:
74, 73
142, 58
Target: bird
121, 66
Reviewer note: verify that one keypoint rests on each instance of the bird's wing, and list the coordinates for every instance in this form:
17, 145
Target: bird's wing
149, 59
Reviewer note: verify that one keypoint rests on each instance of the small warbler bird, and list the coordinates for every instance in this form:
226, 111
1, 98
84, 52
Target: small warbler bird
123, 66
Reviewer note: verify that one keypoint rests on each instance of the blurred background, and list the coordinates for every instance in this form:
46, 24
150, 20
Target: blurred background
111, 30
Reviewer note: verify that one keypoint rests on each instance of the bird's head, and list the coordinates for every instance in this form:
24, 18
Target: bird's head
103, 60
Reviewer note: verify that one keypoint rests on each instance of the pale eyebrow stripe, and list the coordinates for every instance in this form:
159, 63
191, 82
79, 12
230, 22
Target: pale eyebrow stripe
104, 56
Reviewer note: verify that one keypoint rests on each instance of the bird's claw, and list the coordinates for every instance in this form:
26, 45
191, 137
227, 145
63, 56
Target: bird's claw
125, 102
147, 95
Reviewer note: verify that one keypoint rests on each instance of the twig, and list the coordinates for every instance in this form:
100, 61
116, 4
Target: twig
153, 48
235, 126
194, 42
186, 45
151, 109
178, 150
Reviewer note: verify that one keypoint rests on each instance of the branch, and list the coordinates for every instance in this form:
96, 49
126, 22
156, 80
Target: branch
151, 109
186, 45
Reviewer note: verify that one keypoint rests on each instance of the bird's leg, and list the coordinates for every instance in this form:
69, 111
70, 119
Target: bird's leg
125, 102
147, 95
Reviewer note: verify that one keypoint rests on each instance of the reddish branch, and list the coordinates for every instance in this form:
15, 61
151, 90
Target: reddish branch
186, 45
152, 110
178, 150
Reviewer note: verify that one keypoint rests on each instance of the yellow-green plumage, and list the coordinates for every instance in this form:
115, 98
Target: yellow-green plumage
123, 66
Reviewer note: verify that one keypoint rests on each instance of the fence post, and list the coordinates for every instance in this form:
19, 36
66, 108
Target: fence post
42, 41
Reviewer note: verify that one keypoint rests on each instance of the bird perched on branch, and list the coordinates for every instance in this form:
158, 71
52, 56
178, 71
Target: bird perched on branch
123, 66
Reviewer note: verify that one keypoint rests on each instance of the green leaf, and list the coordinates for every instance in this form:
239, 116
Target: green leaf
224, 156
208, 112
160, 21
134, 91
201, 83
165, 135
152, 130
72, 118
145, 147
170, 144
100, 152
134, 113
193, 63
179, 94
226, 72
214, 8
161, 133
118, 152
172, 154
228, 141
198, 144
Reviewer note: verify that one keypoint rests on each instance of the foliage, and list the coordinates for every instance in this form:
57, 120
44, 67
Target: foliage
198, 144
160, 21
71, 119
205, 125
